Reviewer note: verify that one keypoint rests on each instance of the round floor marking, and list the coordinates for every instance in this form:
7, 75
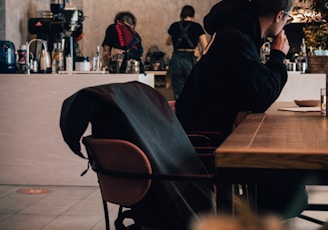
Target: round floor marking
34, 191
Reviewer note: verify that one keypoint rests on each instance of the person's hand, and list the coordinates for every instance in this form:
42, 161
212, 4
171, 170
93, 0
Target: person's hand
281, 42
106, 55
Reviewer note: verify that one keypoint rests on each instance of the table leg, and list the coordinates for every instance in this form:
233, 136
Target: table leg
226, 192
224, 201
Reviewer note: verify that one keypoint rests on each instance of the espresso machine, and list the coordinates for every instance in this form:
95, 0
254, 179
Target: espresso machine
62, 25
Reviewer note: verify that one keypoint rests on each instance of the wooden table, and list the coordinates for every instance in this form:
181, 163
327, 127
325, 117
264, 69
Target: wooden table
276, 147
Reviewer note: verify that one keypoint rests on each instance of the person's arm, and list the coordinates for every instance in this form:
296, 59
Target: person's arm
203, 42
169, 40
262, 83
107, 43
106, 55
281, 43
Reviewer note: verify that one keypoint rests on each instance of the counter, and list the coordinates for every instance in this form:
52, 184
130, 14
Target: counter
302, 86
32, 148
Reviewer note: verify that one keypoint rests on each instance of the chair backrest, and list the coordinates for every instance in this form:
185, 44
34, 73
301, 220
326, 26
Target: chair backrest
200, 138
119, 155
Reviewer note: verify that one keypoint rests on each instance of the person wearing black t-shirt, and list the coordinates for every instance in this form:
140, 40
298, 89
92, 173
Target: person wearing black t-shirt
122, 43
184, 35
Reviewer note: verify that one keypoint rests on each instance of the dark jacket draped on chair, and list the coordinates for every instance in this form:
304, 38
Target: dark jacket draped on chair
137, 113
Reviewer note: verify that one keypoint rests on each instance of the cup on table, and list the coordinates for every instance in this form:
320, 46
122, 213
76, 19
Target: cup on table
323, 100
156, 66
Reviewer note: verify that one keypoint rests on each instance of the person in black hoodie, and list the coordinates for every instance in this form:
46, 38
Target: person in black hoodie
230, 80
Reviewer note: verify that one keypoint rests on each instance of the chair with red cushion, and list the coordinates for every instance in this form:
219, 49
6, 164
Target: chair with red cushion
125, 175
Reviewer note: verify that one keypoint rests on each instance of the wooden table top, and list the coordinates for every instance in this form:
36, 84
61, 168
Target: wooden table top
277, 140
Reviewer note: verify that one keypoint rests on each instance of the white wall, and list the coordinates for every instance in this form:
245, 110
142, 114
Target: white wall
302, 87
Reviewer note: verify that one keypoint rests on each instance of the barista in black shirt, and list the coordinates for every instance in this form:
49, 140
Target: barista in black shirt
122, 39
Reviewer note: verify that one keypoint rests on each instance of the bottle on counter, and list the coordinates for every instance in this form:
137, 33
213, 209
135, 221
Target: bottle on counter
96, 61
303, 53
61, 64
303, 60
45, 61
34, 63
21, 59
57, 58
69, 63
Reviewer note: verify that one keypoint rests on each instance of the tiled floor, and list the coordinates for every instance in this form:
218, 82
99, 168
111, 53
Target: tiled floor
63, 208
80, 208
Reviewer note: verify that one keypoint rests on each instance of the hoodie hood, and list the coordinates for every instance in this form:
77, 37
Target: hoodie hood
237, 14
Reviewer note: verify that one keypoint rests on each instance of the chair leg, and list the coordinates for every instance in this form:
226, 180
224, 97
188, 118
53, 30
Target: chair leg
119, 220
317, 207
311, 219
126, 214
314, 207
106, 215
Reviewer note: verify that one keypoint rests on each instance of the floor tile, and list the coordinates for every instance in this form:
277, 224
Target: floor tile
14, 205
73, 223
26, 222
85, 207
49, 207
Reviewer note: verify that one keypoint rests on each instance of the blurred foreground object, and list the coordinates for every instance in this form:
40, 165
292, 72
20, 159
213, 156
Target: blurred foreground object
245, 219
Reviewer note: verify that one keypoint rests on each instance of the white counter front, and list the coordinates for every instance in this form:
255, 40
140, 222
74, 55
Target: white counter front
32, 148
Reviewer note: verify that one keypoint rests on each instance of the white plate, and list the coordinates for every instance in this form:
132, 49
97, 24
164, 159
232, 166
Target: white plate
301, 109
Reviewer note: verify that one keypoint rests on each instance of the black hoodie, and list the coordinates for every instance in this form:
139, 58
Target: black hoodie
230, 77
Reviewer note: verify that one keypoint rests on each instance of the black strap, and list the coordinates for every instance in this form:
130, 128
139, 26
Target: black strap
184, 35
134, 40
129, 50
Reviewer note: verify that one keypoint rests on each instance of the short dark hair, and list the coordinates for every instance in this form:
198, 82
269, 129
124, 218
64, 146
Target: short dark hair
126, 16
187, 11
267, 7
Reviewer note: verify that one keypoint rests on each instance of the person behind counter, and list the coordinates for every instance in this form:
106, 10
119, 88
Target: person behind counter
184, 35
230, 80
122, 43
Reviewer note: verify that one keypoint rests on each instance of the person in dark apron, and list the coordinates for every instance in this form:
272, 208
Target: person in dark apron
184, 35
